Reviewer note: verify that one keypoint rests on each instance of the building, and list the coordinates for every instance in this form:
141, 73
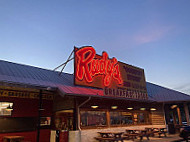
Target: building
34, 102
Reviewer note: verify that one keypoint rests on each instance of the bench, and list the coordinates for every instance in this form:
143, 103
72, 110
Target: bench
109, 139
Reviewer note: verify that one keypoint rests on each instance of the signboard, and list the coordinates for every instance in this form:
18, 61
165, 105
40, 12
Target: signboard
20, 94
116, 78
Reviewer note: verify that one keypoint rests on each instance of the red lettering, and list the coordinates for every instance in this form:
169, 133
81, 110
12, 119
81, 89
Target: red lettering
83, 62
88, 66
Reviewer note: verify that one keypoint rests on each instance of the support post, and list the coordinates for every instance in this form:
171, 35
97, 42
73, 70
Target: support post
75, 115
179, 115
186, 113
39, 116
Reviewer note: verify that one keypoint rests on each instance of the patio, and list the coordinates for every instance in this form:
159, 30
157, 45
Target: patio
169, 138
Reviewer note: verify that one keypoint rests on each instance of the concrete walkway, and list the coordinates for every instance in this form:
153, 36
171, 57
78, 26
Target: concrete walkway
169, 138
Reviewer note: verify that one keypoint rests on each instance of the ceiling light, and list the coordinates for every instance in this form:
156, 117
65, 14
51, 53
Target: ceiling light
113, 107
130, 108
142, 108
94, 106
152, 109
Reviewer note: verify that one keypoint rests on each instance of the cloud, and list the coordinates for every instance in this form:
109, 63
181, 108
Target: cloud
148, 35
183, 88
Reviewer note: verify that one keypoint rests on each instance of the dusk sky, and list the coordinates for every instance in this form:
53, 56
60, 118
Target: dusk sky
150, 34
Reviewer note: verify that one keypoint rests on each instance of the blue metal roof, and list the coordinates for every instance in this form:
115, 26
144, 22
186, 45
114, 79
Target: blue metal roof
162, 94
29, 75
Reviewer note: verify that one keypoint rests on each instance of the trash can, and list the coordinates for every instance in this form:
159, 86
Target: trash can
171, 128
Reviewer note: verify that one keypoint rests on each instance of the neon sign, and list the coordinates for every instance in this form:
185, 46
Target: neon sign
88, 66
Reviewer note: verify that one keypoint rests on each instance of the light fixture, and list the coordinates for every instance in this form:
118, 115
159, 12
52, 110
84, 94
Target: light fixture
94, 106
41, 109
173, 106
142, 108
130, 108
114, 107
152, 109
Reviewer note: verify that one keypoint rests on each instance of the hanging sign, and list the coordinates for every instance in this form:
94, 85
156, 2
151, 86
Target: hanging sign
116, 78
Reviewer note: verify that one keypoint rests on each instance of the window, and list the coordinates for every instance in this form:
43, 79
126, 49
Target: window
93, 118
117, 118
44, 121
6, 108
141, 118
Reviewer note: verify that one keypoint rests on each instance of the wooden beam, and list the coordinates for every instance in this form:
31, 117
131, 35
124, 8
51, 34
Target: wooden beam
179, 115
186, 112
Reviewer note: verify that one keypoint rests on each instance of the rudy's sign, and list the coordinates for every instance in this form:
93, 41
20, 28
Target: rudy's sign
116, 78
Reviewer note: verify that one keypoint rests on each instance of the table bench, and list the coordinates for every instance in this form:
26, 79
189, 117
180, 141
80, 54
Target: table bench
110, 137
13, 138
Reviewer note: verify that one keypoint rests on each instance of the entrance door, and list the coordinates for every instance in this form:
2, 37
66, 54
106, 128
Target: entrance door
63, 124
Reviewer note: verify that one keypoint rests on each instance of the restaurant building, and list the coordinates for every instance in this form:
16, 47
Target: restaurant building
103, 94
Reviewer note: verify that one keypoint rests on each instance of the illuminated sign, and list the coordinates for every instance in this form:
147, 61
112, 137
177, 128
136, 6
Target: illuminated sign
117, 79
88, 66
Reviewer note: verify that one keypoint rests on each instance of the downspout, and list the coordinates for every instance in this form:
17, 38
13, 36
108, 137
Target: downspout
78, 111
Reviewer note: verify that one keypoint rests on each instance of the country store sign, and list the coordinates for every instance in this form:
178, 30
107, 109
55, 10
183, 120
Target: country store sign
117, 79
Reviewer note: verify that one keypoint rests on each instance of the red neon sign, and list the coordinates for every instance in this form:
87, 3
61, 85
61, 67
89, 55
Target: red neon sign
88, 66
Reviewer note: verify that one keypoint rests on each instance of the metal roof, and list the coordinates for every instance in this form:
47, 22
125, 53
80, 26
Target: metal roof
28, 75
162, 94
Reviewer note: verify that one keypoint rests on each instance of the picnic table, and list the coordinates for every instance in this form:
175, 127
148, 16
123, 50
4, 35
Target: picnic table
110, 136
160, 131
13, 138
133, 133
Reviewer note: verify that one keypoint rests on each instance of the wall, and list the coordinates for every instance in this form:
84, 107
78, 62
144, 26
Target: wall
158, 115
25, 107
29, 136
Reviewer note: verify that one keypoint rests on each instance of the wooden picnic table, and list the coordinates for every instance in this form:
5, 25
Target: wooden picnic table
13, 138
110, 136
133, 133
160, 131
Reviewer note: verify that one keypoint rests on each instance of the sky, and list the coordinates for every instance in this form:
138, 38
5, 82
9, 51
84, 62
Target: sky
150, 34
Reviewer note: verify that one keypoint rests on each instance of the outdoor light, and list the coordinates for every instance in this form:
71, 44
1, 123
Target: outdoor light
113, 107
94, 106
173, 106
130, 108
142, 108
152, 109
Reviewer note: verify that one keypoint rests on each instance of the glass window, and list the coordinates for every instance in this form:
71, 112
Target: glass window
93, 118
117, 118
6, 108
142, 118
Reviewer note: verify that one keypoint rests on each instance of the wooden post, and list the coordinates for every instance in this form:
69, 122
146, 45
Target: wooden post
179, 115
39, 116
75, 115
186, 112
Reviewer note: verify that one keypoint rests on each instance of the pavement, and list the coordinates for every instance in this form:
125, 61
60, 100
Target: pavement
169, 138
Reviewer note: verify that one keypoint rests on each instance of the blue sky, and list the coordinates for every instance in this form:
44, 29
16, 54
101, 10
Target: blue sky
151, 34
